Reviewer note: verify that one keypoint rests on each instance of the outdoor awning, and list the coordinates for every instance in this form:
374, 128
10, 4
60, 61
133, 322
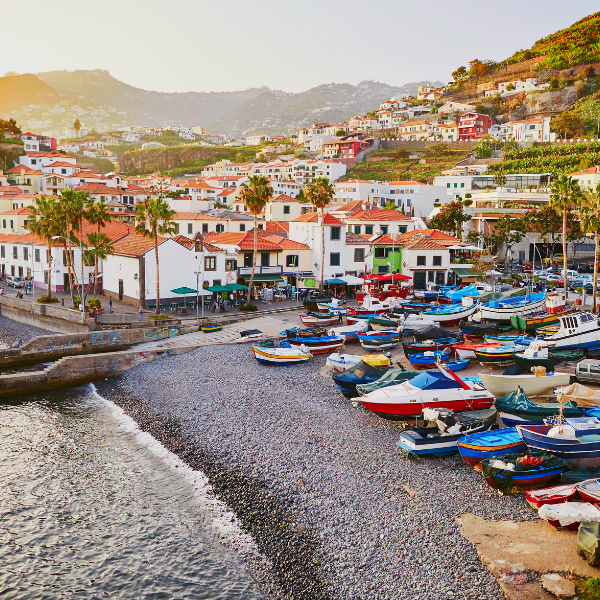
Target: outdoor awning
463, 272
335, 281
264, 278
184, 291
351, 280
390, 277
236, 287
218, 288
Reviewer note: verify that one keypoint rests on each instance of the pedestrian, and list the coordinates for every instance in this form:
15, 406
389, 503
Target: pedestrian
340, 317
80, 307
110, 305
140, 312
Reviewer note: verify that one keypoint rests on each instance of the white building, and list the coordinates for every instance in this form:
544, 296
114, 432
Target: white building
588, 178
256, 139
532, 130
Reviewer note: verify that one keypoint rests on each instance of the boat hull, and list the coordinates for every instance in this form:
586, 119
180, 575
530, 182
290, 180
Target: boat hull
312, 320
211, 328
504, 314
475, 448
319, 347
531, 323
266, 357
449, 317
531, 385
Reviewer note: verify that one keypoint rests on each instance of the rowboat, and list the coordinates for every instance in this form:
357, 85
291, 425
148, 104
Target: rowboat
432, 389
321, 319
342, 362
556, 306
211, 328
456, 365
509, 340
282, 355
552, 495
350, 332
451, 314
354, 319
467, 350
298, 332
382, 323
319, 345
571, 515
577, 330
474, 448
378, 342
440, 439
576, 440
503, 310
528, 383
418, 347
589, 490
417, 323
430, 357
515, 408
372, 306
359, 374
495, 356
539, 355
431, 332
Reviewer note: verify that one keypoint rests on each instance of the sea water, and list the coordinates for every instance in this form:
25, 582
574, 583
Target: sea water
91, 507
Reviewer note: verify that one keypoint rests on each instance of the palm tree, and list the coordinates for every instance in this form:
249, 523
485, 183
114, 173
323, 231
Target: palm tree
590, 223
101, 248
255, 194
320, 193
565, 194
152, 219
97, 214
43, 223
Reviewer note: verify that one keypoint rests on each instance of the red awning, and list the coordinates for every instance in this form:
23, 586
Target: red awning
388, 277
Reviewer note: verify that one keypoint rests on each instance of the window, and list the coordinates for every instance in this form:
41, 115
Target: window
242, 227
594, 369
384, 229
382, 269
46, 277
47, 258
456, 185
291, 260
25, 253
359, 254
2, 252
369, 229
247, 259
261, 226
437, 261
381, 252
230, 265
12, 224
210, 263
3, 223
420, 261
264, 259
334, 259
357, 229
20, 271
439, 278
286, 209
12, 269
402, 228
335, 233
190, 227
204, 227
462, 185
15, 252
430, 275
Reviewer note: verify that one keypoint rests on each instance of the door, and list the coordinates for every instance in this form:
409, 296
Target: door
66, 282
120, 289
419, 280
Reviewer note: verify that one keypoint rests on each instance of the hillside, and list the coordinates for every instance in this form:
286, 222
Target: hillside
147, 107
20, 90
575, 45
276, 112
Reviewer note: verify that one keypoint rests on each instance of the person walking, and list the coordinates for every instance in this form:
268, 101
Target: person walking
110, 306
140, 312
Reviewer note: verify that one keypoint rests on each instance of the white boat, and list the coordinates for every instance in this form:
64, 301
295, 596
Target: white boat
417, 323
431, 389
371, 303
280, 356
576, 330
450, 314
503, 310
465, 350
350, 332
342, 362
531, 385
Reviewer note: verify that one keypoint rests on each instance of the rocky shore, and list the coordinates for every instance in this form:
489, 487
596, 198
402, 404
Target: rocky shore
336, 508
11, 331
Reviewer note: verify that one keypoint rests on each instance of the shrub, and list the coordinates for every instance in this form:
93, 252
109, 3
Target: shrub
248, 308
95, 303
77, 300
159, 316
47, 299
591, 589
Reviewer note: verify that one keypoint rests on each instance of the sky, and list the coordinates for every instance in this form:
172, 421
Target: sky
226, 45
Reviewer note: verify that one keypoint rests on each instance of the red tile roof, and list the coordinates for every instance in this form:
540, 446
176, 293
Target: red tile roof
61, 164
379, 214
10, 190
18, 211
195, 216
99, 188
244, 240
355, 239
313, 217
277, 226
28, 170
283, 198
135, 245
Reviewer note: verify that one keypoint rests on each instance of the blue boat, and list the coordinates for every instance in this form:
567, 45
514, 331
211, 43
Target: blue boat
502, 310
456, 295
457, 365
474, 448
509, 340
429, 358
450, 314
576, 440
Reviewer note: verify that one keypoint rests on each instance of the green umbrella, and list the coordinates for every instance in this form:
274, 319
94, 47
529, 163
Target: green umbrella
183, 291
236, 286
218, 288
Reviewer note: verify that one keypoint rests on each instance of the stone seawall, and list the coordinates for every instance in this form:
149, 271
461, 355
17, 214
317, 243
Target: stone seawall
53, 317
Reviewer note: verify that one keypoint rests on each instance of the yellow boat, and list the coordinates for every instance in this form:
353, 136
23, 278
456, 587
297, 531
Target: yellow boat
376, 360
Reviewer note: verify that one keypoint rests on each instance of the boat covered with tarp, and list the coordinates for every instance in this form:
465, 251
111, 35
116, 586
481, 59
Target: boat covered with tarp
392, 377
359, 374
502, 310
431, 332
456, 295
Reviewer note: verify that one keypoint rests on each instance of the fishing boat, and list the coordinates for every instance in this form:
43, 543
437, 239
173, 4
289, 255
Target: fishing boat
335, 306
359, 374
296, 332
321, 319
589, 490
577, 330
452, 314
495, 356
515, 408
432, 389
382, 323
478, 329
537, 354
342, 362
509, 340
474, 448
457, 365
502, 310
576, 440
416, 308
354, 319
552, 495
466, 350
266, 353
431, 332
430, 357
350, 332
378, 342
443, 430
424, 346
319, 345
530, 384
556, 306
417, 323
211, 328
372, 306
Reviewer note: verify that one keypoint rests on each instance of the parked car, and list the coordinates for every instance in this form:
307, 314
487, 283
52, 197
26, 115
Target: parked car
575, 283
583, 268
516, 268
15, 282
527, 268
587, 369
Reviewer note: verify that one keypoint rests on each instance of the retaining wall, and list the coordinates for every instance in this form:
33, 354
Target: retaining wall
386, 144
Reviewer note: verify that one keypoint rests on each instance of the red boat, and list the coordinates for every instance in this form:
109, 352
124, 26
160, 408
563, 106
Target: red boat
553, 495
319, 345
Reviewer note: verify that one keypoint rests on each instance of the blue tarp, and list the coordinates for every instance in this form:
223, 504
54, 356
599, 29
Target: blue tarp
433, 381
458, 295
336, 281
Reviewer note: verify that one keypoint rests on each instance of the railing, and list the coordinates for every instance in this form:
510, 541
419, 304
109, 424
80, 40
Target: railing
271, 270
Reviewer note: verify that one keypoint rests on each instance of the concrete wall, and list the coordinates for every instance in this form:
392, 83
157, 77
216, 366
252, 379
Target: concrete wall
425, 145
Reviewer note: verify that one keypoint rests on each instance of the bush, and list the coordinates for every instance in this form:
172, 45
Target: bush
47, 299
95, 303
248, 308
159, 316
77, 300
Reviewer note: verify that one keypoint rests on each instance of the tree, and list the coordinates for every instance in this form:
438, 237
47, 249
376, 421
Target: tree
101, 247
509, 230
9, 126
77, 127
478, 68
565, 194
510, 87
483, 149
460, 73
450, 218
340, 133
42, 222
499, 179
154, 218
590, 223
391, 206
239, 157
568, 124
255, 194
319, 194
261, 158
98, 215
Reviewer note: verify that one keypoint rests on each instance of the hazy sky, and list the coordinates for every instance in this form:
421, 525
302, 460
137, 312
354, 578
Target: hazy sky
214, 45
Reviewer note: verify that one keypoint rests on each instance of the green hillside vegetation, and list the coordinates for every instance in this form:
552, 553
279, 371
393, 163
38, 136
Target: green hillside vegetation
576, 45
395, 165
98, 164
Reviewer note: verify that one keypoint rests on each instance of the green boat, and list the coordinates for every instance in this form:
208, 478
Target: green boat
382, 323
495, 356
531, 323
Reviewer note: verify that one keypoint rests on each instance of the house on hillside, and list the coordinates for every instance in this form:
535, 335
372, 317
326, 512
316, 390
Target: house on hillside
473, 126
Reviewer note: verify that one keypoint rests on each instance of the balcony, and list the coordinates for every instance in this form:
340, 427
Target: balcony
271, 270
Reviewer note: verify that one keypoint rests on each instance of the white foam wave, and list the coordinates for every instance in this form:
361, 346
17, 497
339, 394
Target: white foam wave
223, 521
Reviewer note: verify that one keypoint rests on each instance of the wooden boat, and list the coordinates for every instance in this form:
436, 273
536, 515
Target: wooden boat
457, 365
432, 389
382, 323
354, 319
342, 362
589, 490
515, 408
570, 515
577, 330
430, 357
451, 314
416, 323
440, 439
556, 306
297, 332
379, 334
211, 328
496, 356
379, 342
528, 383
319, 345
372, 306
321, 319
503, 310
349, 332
552, 495
419, 347
271, 355
509, 340
334, 307
576, 440
474, 448
359, 374
478, 329
539, 355
466, 350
